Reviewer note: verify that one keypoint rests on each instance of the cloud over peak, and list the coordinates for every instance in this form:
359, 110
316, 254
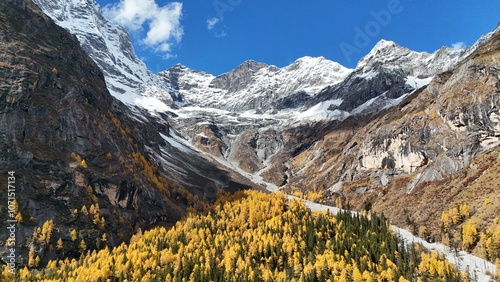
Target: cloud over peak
458, 46
162, 24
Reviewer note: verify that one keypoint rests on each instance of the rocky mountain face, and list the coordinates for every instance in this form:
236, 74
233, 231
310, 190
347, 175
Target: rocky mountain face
230, 115
215, 112
109, 45
82, 158
254, 86
406, 133
434, 150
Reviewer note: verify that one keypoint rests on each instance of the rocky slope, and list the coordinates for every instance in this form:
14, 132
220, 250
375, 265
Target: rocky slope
109, 45
215, 112
254, 86
231, 116
436, 149
82, 158
454, 116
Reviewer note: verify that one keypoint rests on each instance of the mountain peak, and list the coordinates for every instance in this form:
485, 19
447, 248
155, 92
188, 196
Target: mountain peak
384, 52
251, 65
390, 56
386, 46
308, 60
177, 67
382, 44
108, 44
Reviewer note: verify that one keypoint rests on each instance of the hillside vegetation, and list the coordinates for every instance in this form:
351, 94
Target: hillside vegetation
253, 236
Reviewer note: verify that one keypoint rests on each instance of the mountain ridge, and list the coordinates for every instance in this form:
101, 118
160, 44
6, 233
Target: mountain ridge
109, 45
257, 97
434, 151
158, 93
83, 160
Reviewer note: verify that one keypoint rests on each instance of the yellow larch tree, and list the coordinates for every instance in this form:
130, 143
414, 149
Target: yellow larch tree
59, 244
74, 235
46, 233
82, 246
469, 235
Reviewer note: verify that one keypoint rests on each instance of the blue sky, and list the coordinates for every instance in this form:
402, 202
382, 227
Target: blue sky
217, 35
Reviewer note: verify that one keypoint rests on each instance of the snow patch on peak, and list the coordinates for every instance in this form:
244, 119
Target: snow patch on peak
418, 82
389, 55
152, 104
180, 67
315, 64
255, 86
309, 60
384, 51
321, 111
382, 44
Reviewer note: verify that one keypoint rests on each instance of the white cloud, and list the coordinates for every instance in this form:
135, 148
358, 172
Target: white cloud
162, 24
221, 34
212, 22
458, 46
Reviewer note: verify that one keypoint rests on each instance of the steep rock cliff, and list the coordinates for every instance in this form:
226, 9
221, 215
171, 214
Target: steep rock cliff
82, 158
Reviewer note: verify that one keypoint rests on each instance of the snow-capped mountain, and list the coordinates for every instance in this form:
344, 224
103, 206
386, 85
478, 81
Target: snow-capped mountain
415, 65
309, 125
389, 55
253, 85
317, 88
109, 45
311, 89
241, 116
384, 77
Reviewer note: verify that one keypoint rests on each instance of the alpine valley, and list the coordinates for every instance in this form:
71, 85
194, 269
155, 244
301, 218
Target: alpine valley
102, 148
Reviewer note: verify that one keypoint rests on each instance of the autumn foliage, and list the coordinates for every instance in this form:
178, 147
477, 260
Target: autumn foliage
253, 236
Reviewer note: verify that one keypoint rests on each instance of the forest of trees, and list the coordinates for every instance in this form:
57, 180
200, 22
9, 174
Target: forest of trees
461, 232
253, 236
